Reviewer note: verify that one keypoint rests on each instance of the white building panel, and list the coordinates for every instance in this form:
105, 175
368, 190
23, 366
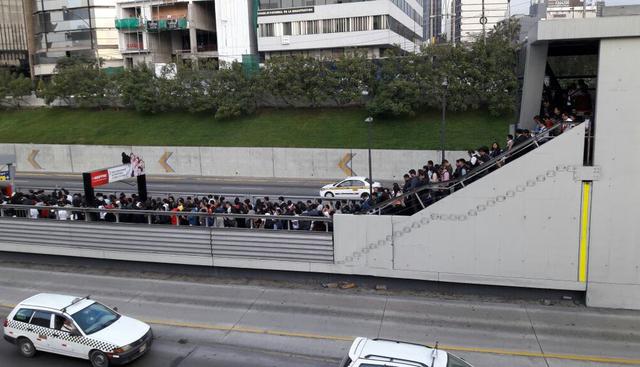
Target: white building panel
233, 23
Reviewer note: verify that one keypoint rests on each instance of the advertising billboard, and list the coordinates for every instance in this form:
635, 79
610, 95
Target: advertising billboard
134, 168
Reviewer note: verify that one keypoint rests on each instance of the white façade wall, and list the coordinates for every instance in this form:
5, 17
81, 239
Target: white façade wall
338, 40
614, 248
518, 226
233, 28
224, 162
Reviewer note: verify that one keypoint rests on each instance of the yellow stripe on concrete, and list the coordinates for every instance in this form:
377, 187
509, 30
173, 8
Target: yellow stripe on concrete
245, 330
453, 348
584, 232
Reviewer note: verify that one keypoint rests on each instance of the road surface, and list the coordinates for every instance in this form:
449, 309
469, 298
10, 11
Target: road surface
159, 185
200, 321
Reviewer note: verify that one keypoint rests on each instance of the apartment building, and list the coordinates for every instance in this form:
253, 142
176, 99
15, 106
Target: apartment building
569, 9
64, 28
13, 35
160, 31
471, 19
432, 21
329, 28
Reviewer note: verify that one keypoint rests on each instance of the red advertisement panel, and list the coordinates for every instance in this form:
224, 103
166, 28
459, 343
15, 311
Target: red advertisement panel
99, 178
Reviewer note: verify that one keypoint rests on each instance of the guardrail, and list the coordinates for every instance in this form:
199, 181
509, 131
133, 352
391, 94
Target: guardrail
153, 217
187, 244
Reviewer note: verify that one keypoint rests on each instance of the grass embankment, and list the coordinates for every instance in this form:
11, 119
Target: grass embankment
304, 128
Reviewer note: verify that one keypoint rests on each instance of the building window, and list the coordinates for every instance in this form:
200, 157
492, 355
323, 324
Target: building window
339, 25
286, 28
267, 30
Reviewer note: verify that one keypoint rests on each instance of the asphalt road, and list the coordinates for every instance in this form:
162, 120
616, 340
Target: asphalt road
173, 348
200, 322
159, 185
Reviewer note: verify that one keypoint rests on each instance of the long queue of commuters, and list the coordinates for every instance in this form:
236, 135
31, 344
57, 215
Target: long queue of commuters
444, 174
188, 211
447, 174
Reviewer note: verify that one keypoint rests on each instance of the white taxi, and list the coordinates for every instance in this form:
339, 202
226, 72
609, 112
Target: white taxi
390, 353
350, 188
76, 327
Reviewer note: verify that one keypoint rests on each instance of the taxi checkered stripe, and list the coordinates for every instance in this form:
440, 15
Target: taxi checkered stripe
95, 344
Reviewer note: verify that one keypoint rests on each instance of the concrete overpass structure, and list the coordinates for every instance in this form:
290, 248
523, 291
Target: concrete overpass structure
613, 277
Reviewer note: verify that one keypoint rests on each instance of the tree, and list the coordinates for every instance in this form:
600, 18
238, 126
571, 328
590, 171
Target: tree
192, 85
78, 81
296, 80
454, 65
139, 89
347, 77
234, 92
13, 88
397, 86
497, 83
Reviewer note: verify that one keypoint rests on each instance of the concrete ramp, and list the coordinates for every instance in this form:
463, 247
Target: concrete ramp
517, 226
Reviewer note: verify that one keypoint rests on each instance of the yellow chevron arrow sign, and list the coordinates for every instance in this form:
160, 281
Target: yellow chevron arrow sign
163, 162
345, 164
32, 159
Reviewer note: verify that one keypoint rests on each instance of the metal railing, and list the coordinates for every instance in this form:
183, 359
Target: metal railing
152, 194
153, 217
423, 196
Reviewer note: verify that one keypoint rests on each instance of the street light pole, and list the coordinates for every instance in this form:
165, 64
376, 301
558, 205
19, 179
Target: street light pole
369, 122
445, 84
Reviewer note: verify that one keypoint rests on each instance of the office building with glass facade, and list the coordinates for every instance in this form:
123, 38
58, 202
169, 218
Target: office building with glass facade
64, 28
329, 28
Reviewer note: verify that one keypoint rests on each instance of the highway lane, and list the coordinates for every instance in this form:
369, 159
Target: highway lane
179, 184
177, 348
198, 321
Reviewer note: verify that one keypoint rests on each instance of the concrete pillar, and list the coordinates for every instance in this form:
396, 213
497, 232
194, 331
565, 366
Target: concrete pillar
535, 64
614, 248
193, 40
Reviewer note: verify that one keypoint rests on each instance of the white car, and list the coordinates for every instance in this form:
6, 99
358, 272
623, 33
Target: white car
389, 353
349, 188
76, 327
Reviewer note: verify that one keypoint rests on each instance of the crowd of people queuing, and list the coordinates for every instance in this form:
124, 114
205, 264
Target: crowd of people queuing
562, 108
187, 211
439, 179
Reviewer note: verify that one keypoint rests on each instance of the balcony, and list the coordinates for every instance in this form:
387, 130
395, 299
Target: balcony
134, 47
129, 23
166, 24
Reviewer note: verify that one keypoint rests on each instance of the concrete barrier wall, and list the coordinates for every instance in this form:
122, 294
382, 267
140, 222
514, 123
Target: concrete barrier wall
518, 226
225, 162
614, 248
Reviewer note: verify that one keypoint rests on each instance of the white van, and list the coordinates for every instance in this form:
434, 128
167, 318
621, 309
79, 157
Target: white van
76, 327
